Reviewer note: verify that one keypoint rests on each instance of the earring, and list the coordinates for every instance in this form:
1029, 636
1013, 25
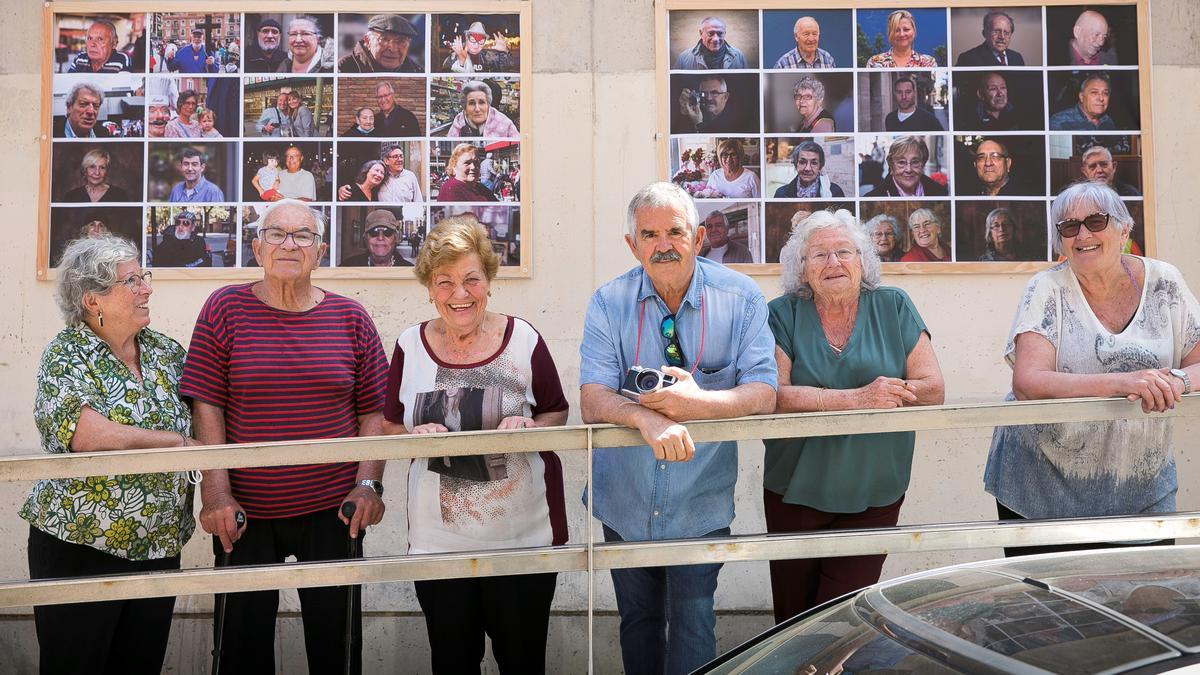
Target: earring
431, 301
100, 316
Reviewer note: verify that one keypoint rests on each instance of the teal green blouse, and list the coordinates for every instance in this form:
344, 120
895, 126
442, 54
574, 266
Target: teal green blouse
844, 474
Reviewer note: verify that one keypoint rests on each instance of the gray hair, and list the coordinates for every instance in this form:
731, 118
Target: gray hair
1095, 150
474, 86
990, 18
83, 86
870, 225
927, 214
286, 205
791, 258
312, 20
661, 195
812, 84
1086, 194
89, 265
991, 218
110, 27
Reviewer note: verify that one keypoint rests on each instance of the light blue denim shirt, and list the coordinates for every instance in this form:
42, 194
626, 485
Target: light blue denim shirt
635, 494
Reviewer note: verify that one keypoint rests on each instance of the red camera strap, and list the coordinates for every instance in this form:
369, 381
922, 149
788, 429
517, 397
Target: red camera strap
637, 350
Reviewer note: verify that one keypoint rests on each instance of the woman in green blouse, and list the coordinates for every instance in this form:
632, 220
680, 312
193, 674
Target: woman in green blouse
107, 382
842, 342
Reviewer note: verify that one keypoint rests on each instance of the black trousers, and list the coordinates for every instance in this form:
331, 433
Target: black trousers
248, 645
1005, 513
120, 636
514, 611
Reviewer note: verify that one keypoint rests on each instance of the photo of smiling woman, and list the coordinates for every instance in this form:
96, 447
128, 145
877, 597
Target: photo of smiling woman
908, 158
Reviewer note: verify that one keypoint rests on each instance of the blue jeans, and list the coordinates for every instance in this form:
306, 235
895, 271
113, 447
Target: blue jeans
667, 620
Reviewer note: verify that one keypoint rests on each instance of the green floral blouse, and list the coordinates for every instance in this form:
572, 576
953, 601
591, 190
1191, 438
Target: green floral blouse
136, 516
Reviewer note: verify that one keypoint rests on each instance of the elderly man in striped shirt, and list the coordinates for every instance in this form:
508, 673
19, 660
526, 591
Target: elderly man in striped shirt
100, 53
806, 54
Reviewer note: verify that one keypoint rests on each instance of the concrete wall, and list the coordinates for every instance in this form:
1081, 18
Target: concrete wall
593, 89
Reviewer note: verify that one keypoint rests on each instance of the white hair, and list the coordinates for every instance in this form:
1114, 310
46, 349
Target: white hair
289, 204
792, 257
1089, 195
89, 265
659, 195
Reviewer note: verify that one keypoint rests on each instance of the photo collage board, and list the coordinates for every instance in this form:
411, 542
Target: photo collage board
177, 130
947, 131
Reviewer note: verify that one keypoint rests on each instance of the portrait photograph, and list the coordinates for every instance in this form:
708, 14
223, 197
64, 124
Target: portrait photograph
717, 168
810, 167
381, 43
191, 236
780, 217
196, 43
1094, 100
925, 228
468, 44
713, 40
94, 106
714, 103
251, 214
901, 38
1000, 231
998, 100
290, 43
989, 37
801, 102
192, 172
193, 106
282, 106
274, 170
397, 106
733, 232
910, 101
1000, 166
799, 39
68, 223
100, 43
97, 172
379, 236
387, 172
1086, 35
502, 224
1113, 160
474, 171
893, 165
484, 107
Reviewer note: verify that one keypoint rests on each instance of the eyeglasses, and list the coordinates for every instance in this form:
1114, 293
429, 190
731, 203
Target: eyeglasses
1070, 227
276, 236
822, 258
392, 40
903, 164
133, 280
804, 97
923, 225
303, 34
477, 38
673, 352
994, 156
381, 232
1000, 32
713, 93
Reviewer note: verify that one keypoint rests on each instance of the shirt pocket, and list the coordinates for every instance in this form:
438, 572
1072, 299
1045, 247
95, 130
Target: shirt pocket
718, 379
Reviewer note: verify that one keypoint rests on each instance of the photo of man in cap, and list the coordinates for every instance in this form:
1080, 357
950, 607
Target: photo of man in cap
384, 48
180, 247
264, 55
194, 57
379, 237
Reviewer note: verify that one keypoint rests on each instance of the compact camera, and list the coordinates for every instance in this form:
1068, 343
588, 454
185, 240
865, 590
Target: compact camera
698, 97
639, 380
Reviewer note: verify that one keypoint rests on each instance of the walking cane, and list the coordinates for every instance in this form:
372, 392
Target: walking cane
348, 509
219, 609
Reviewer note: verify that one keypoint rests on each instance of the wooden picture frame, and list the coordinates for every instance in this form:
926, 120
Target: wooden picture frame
457, 52
760, 31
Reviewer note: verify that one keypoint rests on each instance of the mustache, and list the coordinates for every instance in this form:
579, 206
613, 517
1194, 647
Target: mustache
665, 256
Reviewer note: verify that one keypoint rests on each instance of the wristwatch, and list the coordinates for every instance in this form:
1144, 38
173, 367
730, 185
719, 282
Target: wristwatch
1187, 381
375, 485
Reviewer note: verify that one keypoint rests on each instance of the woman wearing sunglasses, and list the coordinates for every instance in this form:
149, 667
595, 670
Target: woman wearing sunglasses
471, 369
1102, 323
842, 342
107, 382
469, 53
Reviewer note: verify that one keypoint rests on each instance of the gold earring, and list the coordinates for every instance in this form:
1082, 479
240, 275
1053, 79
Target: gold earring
100, 316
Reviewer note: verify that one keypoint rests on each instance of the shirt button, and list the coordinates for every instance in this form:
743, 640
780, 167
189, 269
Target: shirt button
662, 466
656, 513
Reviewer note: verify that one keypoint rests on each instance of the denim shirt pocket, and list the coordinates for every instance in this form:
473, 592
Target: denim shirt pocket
718, 379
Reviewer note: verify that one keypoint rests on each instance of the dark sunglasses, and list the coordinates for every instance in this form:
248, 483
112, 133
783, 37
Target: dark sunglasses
381, 232
1094, 223
673, 351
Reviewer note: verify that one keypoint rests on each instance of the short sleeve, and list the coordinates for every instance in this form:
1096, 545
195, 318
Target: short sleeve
206, 371
393, 407
599, 356
782, 320
63, 387
756, 353
371, 369
1186, 319
547, 388
1037, 312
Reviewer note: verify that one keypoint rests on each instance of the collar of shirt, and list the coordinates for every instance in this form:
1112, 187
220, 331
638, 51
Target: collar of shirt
694, 292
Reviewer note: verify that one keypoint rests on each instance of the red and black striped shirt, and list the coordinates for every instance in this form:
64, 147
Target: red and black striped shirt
282, 376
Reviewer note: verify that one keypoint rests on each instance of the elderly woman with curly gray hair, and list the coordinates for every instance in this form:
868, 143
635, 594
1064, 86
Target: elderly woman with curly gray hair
842, 342
107, 382
1100, 323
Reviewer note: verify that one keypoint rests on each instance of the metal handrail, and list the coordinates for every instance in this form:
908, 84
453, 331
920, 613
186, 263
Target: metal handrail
591, 555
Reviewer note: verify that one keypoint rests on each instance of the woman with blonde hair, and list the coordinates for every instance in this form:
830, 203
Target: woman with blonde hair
96, 188
902, 33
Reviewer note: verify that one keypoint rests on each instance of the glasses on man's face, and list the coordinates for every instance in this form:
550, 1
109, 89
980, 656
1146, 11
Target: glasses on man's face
822, 258
673, 351
395, 158
1070, 227
275, 236
375, 232
302, 34
983, 157
1000, 32
477, 38
393, 41
713, 93
134, 280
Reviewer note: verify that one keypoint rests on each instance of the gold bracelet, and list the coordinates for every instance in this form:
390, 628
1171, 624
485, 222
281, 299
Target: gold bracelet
820, 404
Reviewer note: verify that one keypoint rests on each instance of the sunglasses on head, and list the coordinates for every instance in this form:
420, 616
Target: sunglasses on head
673, 351
1070, 228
